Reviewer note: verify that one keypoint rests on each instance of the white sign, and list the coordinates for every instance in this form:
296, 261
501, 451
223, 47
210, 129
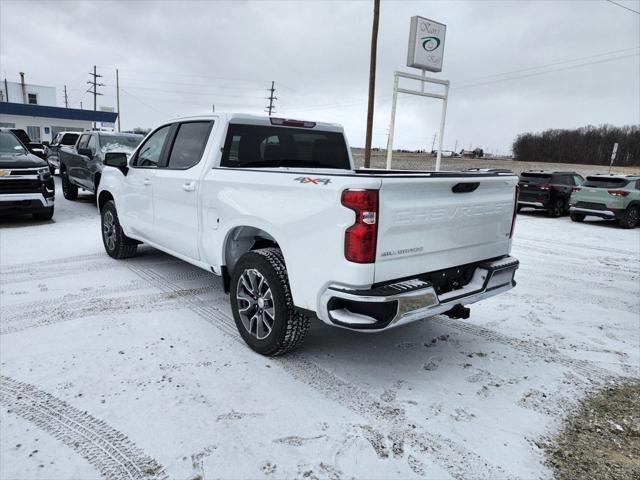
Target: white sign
426, 44
107, 124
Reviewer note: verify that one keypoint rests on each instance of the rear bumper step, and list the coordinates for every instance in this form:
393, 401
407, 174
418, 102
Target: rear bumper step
403, 302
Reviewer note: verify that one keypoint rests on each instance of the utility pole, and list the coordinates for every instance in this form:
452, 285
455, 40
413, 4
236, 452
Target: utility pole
6, 88
433, 144
118, 97
66, 98
455, 149
271, 98
81, 105
372, 82
94, 89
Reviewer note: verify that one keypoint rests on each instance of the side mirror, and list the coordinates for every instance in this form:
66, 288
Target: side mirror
86, 152
117, 160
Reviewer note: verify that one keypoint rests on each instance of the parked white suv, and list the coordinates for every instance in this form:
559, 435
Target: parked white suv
277, 208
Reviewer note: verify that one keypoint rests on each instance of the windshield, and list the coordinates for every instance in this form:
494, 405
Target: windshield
10, 144
604, 182
268, 146
119, 142
535, 178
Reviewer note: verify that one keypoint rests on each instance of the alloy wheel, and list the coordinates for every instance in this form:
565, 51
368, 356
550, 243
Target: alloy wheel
255, 304
109, 230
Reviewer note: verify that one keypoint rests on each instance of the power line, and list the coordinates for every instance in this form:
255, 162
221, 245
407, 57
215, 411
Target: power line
191, 84
270, 108
94, 83
143, 103
571, 60
547, 71
623, 6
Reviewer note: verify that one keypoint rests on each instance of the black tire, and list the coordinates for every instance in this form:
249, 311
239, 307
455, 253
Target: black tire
46, 215
518, 208
288, 326
556, 209
115, 242
629, 218
69, 190
577, 217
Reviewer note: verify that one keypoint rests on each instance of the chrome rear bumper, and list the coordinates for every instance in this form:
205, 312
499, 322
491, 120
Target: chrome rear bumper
595, 213
410, 300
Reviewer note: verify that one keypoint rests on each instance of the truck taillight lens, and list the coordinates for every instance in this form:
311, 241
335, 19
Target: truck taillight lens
361, 238
618, 193
576, 189
515, 211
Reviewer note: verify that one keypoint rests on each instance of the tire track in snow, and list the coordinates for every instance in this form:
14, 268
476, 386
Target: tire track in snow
97, 306
109, 451
456, 459
89, 292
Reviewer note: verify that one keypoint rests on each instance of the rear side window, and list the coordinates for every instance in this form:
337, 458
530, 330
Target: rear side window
189, 144
69, 139
271, 146
535, 178
604, 182
577, 179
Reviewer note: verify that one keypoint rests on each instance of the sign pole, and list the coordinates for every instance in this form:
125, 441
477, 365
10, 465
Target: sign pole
393, 119
442, 120
372, 82
613, 155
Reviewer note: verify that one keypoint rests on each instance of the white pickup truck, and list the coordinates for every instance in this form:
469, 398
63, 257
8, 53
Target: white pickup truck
277, 208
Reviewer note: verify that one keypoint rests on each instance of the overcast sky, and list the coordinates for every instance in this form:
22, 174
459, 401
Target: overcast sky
177, 58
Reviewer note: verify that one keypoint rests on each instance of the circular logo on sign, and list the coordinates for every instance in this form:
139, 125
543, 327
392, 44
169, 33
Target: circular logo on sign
430, 43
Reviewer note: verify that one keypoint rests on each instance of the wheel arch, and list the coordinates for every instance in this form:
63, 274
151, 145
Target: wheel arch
103, 197
242, 239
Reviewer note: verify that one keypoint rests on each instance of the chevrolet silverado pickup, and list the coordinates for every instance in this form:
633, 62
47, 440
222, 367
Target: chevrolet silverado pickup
277, 208
81, 164
26, 185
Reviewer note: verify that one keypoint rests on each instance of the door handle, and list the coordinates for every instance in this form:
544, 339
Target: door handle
146, 181
189, 186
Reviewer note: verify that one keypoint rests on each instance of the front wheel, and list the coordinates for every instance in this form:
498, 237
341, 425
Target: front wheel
69, 190
577, 217
629, 218
46, 215
262, 306
116, 243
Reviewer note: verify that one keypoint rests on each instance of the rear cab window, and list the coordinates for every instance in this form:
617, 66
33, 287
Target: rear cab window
605, 182
267, 146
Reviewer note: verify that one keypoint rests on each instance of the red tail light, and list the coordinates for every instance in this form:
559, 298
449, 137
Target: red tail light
361, 238
576, 189
545, 186
618, 193
515, 211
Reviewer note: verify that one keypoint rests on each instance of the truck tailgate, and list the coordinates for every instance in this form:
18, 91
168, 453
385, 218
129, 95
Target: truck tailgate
432, 223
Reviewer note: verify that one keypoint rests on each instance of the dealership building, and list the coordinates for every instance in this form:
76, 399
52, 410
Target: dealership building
33, 109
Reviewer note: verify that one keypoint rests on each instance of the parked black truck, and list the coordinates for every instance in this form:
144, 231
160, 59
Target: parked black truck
62, 139
26, 185
81, 164
548, 191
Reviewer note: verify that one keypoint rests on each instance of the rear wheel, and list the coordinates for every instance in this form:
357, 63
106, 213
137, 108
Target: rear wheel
262, 306
116, 243
629, 218
69, 190
577, 217
557, 208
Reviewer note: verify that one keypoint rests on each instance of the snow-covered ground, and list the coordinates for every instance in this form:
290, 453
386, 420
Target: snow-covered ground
134, 369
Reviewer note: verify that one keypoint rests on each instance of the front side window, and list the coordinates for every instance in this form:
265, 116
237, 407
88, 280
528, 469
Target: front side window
189, 144
93, 144
9, 144
149, 154
84, 140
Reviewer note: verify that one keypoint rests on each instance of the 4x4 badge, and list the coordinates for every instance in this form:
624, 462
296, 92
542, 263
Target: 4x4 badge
315, 181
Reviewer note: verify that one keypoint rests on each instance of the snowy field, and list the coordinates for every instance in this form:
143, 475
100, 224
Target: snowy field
133, 369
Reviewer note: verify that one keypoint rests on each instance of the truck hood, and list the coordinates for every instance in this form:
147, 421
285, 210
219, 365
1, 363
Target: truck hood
21, 160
